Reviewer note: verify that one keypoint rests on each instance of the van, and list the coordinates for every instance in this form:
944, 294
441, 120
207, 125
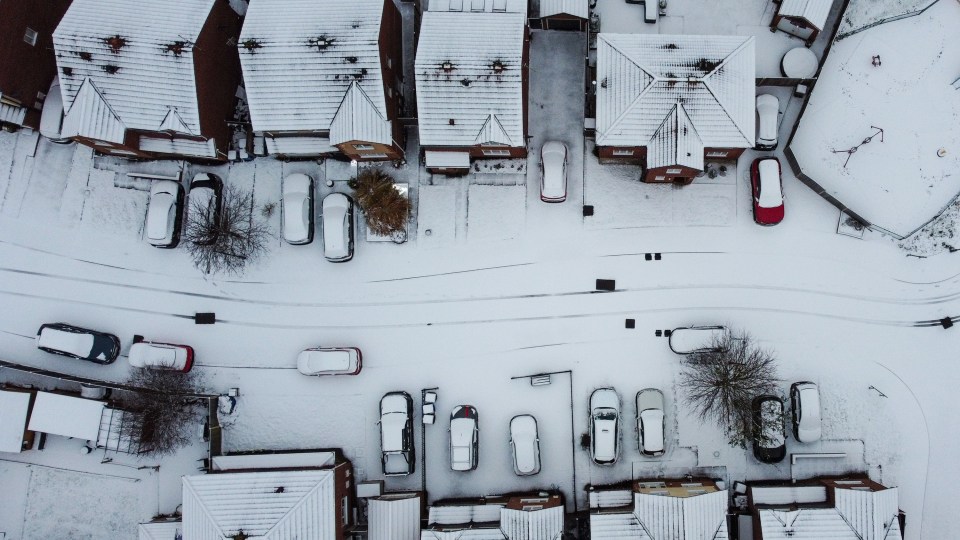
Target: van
650, 10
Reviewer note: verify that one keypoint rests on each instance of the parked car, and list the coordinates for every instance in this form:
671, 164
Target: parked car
76, 342
206, 196
396, 434
525, 442
767, 191
330, 361
297, 209
51, 115
651, 422
769, 434
805, 408
337, 227
768, 111
464, 438
691, 339
166, 356
553, 172
164, 215
604, 426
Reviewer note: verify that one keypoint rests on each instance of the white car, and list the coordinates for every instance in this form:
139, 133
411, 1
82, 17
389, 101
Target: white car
164, 214
337, 227
297, 209
330, 361
553, 173
692, 339
651, 422
154, 355
805, 402
396, 434
768, 111
464, 438
604, 426
525, 443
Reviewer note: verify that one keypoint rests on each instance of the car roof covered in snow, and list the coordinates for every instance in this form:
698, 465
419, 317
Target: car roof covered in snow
770, 194
79, 344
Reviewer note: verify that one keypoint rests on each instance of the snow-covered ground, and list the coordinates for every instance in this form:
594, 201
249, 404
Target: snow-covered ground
501, 287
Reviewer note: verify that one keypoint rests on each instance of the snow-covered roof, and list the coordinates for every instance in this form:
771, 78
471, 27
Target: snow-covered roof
464, 534
543, 524
464, 513
68, 416
315, 67
133, 40
394, 518
274, 461
642, 77
160, 530
470, 79
788, 494
658, 517
14, 409
295, 146
489, 6
902, 182
577, 8
814, 11
179, 145
859, 515
218, 506
676, 142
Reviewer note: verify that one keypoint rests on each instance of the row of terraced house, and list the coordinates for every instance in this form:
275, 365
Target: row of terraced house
326, 79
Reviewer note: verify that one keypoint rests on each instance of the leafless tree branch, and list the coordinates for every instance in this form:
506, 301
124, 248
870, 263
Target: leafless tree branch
228, 242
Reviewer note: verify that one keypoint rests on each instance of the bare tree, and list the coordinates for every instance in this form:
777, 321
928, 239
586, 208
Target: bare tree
720, 383
167, 409
386, 210
226, 239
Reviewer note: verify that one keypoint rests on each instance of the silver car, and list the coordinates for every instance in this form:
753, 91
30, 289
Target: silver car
337, 227
464, 438
651, 422
604, 426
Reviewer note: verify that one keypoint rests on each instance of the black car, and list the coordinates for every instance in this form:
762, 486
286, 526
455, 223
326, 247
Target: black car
206, 198
76, 342
396, 434
769, 430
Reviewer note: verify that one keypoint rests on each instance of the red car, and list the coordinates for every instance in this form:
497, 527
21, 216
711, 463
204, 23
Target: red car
767, 191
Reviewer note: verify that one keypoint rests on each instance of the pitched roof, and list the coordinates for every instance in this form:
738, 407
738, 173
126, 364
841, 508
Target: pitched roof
544, 524
641, 78
676, 142
534, 524
657, 517
815, 11
577, 8
394, 518
358, 119
308, 56
858, 515
218, 506
160, 530
148, 79
483, 99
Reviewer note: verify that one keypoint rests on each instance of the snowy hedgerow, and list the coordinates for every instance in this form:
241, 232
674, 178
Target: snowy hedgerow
386, 210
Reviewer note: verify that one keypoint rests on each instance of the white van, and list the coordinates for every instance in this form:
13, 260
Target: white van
650, 10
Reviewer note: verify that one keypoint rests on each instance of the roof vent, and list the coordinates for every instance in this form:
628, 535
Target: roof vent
447, 66
321, 42
115, 43
452, 122
465, 81
251, 45
68, 71
84, 55
356, 24
176, 47
240, 535
278, 490
497, 66
111, 69
603, 83
351, 59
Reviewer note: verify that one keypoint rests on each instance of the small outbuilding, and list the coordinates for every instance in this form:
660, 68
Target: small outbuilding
564, 14
802, 18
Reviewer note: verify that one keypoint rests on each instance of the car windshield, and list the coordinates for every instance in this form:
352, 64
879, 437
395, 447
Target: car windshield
606, 414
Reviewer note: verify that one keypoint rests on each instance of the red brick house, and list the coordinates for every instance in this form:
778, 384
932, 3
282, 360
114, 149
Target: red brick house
669, 103
472, 82
149, 79
271, 496
27, 63
325, 78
